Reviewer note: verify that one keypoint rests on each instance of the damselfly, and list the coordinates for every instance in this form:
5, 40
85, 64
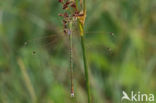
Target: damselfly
51, 42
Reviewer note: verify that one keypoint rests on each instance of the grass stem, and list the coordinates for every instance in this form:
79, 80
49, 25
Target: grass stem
27, 80
85, 67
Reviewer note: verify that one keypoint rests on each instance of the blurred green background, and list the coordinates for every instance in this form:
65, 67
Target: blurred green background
34, 57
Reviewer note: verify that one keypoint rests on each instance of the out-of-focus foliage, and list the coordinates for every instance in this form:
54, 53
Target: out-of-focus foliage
120, 43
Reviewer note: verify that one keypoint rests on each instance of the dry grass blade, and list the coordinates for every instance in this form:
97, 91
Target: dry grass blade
27, 80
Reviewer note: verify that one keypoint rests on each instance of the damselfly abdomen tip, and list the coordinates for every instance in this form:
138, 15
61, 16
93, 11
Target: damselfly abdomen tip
72, 94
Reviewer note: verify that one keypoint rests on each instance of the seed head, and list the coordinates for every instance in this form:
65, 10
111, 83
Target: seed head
60, 1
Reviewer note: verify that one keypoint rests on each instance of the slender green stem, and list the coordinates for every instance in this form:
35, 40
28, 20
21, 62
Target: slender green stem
81, 25
84, 5
85, 67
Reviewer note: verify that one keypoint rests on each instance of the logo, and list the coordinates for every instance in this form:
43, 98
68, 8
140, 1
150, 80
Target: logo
140, 97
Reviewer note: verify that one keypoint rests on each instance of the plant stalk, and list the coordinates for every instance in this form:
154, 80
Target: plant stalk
85, 67
81, 22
